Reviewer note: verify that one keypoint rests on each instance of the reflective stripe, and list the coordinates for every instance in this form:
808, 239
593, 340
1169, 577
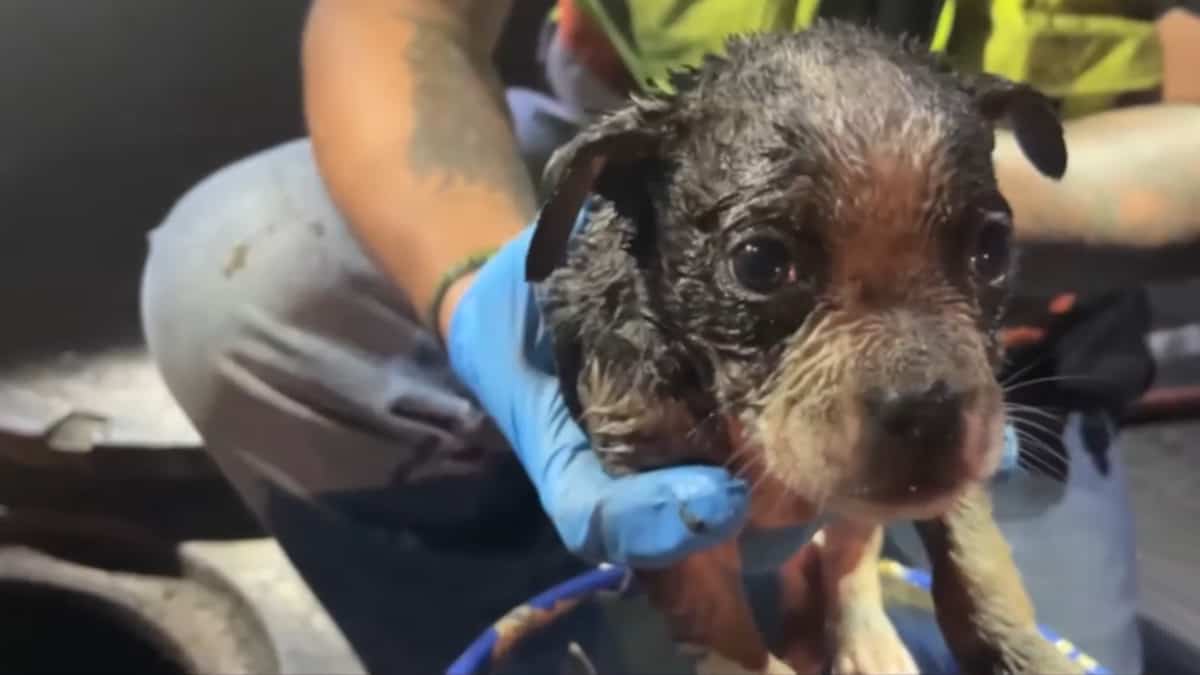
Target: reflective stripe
806, 11
1083, 59
944, 26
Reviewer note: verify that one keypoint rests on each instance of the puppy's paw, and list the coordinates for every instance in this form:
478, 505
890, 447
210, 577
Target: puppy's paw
868, 644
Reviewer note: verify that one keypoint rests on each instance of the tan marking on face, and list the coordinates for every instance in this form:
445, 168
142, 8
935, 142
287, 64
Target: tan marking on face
892, 323
882, 243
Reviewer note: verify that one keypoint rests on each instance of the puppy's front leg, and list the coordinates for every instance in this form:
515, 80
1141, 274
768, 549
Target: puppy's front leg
704, 601
864, 639
984, 612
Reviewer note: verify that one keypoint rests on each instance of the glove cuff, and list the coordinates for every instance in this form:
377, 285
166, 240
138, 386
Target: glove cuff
459, 270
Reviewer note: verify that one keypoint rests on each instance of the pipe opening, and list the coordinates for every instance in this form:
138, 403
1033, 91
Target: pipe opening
47, 629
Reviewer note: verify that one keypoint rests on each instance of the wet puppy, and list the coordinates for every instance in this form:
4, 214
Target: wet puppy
794, 265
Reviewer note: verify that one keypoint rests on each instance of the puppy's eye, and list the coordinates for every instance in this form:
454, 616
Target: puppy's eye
990, 256
763, 264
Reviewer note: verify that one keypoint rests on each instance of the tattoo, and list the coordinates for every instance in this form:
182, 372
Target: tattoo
461, 136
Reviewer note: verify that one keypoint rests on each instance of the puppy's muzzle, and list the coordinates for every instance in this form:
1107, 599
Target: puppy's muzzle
922, 440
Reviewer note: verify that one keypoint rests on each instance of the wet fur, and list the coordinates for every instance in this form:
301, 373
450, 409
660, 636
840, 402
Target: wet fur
874, 162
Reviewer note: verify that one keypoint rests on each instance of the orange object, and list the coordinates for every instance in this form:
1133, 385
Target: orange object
1020, 336
1062, 303
590, 45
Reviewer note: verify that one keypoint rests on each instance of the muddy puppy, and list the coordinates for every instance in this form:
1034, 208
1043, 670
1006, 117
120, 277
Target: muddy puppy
794, 265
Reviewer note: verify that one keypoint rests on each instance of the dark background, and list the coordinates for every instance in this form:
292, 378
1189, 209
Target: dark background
112, 109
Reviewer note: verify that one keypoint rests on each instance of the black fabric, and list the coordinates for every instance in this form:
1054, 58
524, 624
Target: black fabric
913, 18
1093, 360
1157, 8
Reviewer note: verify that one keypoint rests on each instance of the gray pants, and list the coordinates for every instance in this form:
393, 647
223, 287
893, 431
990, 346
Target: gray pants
334, 414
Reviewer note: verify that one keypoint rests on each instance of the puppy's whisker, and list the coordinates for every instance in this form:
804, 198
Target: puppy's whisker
1011, 377
1035, 447
1037, 453
1039, 468
1035, 426
1017, 409
743, 459
693, 433
1044, 468
1040, 458
1035, 464
1030, 444
1044, 423
1054, 378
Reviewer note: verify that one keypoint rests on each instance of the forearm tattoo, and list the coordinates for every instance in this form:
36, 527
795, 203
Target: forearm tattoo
461, 136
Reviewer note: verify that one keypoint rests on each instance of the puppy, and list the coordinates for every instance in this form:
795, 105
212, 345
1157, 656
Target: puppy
795, 265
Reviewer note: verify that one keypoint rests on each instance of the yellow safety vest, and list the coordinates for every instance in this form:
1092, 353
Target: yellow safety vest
1084, 53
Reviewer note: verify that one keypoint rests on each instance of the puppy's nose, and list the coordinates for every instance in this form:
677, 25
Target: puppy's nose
929, 417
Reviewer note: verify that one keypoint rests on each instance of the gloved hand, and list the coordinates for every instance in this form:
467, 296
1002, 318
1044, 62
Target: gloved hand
498, 348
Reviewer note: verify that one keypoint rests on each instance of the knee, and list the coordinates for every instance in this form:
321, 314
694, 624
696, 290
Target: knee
189, 288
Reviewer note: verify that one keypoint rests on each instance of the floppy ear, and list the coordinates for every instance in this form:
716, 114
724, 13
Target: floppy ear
575, 170
1031, 115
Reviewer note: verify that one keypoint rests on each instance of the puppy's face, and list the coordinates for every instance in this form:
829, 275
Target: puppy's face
846, 302
814, 225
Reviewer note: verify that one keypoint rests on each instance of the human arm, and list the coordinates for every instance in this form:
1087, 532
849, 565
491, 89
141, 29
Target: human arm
411, 135
1127, 211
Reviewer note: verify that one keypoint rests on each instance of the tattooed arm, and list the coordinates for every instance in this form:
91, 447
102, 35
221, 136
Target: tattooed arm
1128, 210
411, 132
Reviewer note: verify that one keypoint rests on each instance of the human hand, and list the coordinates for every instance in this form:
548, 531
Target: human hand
500, 350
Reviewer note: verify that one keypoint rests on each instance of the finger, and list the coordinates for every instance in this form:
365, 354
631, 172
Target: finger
663, 516
645, 520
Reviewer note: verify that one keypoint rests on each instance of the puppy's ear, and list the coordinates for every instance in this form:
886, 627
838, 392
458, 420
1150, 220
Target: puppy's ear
1031, 115
574, 171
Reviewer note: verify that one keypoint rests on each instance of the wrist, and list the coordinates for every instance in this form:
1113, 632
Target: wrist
454, 293
450, 290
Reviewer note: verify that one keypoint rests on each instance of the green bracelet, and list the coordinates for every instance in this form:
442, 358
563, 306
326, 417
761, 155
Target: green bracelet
458, 271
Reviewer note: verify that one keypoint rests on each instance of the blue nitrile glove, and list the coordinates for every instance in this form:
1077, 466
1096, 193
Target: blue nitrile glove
499, 350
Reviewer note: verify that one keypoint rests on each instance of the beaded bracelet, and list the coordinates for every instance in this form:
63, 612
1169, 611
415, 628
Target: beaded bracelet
461, 269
